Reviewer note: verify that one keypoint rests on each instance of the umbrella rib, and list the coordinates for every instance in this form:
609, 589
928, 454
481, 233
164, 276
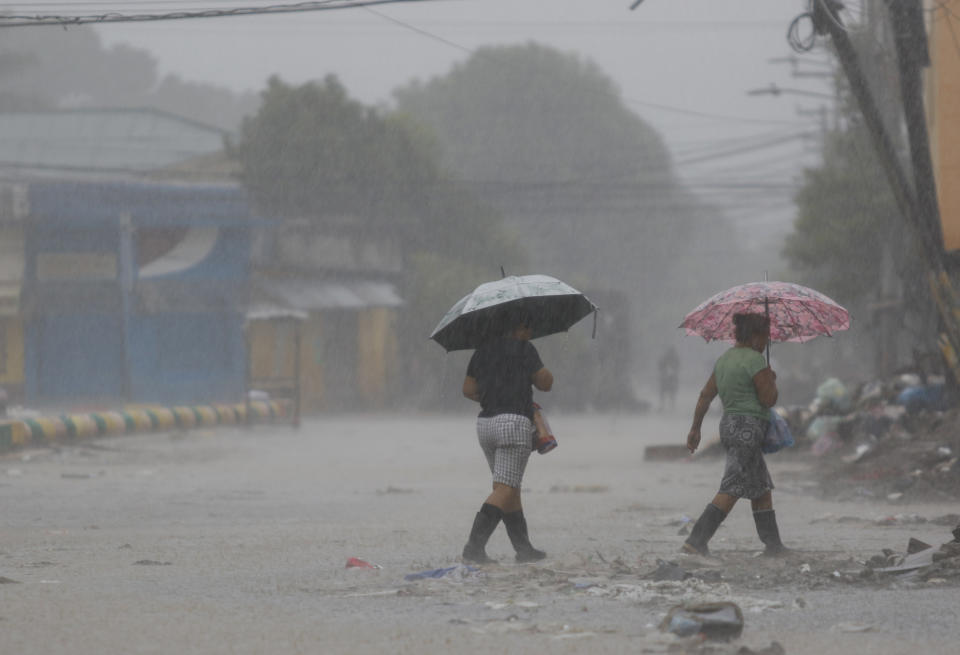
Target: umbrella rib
726, 316
826, 329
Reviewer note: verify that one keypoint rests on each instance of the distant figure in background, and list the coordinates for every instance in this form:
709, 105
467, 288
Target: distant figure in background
668, 369
748, 389
499, 377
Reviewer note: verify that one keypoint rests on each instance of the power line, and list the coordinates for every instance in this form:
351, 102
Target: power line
22, 20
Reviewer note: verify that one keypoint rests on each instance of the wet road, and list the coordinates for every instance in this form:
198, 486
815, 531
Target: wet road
235, 541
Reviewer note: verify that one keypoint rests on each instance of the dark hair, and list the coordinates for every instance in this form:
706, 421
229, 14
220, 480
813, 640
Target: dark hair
747, 325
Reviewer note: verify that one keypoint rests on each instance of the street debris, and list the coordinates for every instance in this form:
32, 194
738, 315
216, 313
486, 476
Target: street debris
456, 572
721, 620
897, 439
357, 563
580, 488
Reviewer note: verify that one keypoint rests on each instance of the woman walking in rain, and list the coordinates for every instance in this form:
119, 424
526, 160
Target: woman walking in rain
747, 388
499, 377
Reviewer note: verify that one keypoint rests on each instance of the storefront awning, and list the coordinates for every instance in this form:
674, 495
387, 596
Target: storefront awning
311, 295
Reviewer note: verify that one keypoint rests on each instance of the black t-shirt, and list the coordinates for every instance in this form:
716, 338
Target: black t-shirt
503, 369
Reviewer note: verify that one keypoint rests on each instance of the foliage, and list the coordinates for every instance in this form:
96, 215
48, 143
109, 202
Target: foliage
44, 68
546, 138
846, 213
312, 151
530, 114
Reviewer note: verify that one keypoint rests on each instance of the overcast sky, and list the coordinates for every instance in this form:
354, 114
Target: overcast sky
684, 66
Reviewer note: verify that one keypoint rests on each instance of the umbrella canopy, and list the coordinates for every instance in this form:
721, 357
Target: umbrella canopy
545, 304
797, 313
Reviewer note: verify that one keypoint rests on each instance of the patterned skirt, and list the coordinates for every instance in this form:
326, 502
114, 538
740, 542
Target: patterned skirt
745, 474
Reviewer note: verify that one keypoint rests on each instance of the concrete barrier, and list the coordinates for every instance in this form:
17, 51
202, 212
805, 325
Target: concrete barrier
44, 430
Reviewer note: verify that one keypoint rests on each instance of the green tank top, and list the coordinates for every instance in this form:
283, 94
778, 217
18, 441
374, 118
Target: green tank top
734, 373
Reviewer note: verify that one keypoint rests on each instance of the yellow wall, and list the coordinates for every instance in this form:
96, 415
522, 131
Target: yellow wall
375, 343
312, 390
944, 109
11, 368
376, 350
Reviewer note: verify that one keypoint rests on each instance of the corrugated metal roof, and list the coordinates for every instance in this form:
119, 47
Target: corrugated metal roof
311, 295
117, 140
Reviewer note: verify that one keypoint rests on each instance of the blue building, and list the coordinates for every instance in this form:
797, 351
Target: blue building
135, 291
132, 268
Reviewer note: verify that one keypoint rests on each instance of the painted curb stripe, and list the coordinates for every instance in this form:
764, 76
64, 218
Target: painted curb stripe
46, 429
129, 422
185, 418
208, 415
115, 422
226, 414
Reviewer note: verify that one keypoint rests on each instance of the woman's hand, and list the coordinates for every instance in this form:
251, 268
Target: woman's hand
693, 440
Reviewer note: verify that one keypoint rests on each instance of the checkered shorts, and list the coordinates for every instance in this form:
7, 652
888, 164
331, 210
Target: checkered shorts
506, 440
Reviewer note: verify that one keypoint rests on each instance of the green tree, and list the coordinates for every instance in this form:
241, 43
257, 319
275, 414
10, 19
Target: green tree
314, 153
545, 137
851, 241
846, 216
53, 68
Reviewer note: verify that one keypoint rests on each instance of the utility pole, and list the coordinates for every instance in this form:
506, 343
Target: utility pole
917, 201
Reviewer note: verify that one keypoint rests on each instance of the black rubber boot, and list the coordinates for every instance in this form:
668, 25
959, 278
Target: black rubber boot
703, 530
516, 526
766, 520
484, 523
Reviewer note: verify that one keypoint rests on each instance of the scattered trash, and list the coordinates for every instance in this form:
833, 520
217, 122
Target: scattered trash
668, 571
580, 488
526, 604
152, 562
458, 572
357, 563
901, 519
773, 649
850, 626
722, 621
393, 490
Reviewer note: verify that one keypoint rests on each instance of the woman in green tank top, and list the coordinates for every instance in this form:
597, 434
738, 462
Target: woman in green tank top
748, 389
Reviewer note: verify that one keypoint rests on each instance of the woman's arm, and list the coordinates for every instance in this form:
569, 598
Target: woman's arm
542, 379
471, 389
765, 382
707, 394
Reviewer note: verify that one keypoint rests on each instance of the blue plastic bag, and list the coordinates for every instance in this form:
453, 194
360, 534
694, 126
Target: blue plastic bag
778, 434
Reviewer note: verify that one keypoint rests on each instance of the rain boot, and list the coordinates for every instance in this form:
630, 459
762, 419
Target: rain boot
516, 526
766, 520
703, 530
484, 523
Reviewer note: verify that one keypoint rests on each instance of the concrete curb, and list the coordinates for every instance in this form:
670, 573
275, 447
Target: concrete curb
135, 419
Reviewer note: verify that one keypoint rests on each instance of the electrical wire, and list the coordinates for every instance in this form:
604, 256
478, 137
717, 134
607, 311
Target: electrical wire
22, 20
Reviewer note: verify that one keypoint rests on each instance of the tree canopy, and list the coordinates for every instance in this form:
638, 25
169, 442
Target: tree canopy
44, 68
588, 185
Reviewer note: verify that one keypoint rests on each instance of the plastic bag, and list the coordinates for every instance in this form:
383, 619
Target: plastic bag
778, 434
543, 439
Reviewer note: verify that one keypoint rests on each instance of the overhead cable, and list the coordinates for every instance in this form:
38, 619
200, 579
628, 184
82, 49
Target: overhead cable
25, 20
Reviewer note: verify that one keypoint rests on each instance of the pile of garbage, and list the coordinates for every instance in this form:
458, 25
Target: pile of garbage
921, 562
898, 439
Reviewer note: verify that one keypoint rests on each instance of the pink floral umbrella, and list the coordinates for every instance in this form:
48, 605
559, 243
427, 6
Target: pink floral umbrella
797, 313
